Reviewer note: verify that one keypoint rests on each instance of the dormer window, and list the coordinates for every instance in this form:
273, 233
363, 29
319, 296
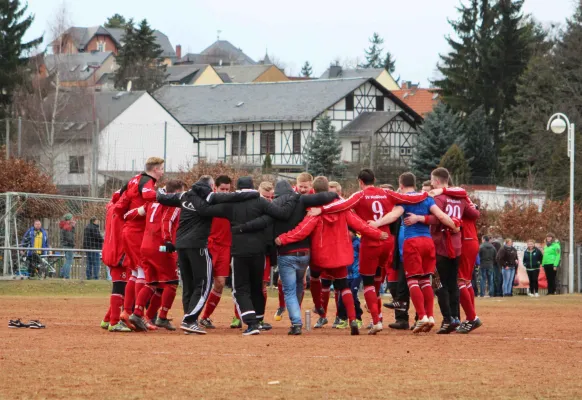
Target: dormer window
101, 46
350, 102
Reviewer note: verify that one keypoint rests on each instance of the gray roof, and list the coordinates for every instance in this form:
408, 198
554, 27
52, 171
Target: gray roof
224, 76
243, 73
261, 102
369, 122
110, 105
184, 74
224, 48
75, 67
354, 73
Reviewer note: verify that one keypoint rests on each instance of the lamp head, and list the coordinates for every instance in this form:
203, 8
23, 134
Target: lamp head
558, 126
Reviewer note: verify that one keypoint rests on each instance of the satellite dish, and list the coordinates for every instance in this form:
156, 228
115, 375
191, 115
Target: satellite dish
128, 86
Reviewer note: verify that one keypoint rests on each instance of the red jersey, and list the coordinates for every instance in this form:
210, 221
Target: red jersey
220, 234
112, 251
141, 189
371, 204
454, 208
161, 225
469, 228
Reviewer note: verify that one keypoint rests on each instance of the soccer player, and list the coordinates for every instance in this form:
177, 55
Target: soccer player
331, 251
160, 267
418, 251
141, 189
371, 203
219, 243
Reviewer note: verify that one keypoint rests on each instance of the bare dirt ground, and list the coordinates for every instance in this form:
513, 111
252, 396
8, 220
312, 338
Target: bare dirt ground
528, 348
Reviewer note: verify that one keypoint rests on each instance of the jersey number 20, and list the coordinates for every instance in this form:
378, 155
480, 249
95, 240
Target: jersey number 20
453, 211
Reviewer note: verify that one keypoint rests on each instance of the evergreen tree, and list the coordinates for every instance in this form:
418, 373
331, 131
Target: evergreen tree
389, 63
267, 164
454, 160
441, 129
116, 21
374, 52
14, 23
306, 71
139, 59
323, 153
478, 146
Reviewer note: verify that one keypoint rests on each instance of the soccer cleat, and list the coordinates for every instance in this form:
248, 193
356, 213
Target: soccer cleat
420, 325
192, 327
165, 323
344, 324
35, 324
138, 322
375, 329
336, 322
278, 314
124, 316
537, 295
360, 323
119, 327
16, 323
236, 323
263, 326
295, 330
151, 325
354, 330
370, 325
399, 325
207, 323
319, 311
469, 326
428, 327
529, 295
320, 323
104, 324
446, 328
397, 305
253, 329
455, 323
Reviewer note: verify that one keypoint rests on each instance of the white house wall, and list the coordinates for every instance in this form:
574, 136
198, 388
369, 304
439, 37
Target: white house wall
138, 133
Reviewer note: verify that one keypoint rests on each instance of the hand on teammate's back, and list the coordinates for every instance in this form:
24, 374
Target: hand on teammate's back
412, 219
278, 242
435, 192
314, 212
373, 224
384, 236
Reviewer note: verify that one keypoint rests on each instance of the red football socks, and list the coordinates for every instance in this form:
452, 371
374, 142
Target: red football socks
115, 305
145, 294
281, 295
155, 303
348, 300
168, 297
211, 304
129, 295
107, 316
417, 297
371, 301
236, 314
316, 292
472, 293
428, 294
336, 296
325, 293
465, 299
139, 284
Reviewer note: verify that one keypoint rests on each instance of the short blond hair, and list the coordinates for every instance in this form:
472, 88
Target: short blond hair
153, 162
305, 177
266, 186
320, 184
335, 185
387, 186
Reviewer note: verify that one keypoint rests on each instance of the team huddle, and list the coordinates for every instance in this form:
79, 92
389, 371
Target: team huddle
422, 243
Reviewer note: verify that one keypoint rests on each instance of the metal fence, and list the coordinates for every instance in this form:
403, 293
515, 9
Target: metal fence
18, 213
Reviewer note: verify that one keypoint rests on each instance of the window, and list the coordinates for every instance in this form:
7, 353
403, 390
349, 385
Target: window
267, 142
379, 103
243, 144
350, 102
355, 151
76, 164
406, 151
100, 46
296, 141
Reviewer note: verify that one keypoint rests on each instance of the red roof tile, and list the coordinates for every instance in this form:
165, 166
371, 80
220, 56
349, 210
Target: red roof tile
420, 100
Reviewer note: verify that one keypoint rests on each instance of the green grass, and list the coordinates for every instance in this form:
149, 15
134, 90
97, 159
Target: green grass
54, 287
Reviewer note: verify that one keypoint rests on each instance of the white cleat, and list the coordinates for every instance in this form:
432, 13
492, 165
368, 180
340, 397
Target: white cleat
375, 329
421, 325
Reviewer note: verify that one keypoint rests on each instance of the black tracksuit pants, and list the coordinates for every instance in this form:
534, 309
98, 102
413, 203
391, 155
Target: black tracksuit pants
247, 282
448, 294
196, 273
399, 292
533, 275
551, 278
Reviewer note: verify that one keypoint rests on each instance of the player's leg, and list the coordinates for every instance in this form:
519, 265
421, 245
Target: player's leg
466, 264
146, 292
354, 285
241, 290
220, 270
348, 300
199, 265
379, 278
442, 267
325, 294
369, 263
315, 288
266, 279
256, 271
119, 281
129, 299
141, 280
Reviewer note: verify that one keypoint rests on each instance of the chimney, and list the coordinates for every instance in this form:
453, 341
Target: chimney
335, 71
406, 84
179, 52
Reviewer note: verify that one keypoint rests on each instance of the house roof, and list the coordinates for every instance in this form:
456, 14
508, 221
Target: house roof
185, 74
110, 105
225, 48
243, 73
260, 102
371, 122
75, 67
224, 76
420, 100
354, 73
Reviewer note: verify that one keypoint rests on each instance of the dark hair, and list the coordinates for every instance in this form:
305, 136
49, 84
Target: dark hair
206, 179
93, 219
173, 185
486, 238
367, 176
441, 174
223, 179
320, 184
407, 179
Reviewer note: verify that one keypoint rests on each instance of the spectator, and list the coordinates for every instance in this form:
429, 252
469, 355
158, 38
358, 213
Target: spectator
487, 255
551, 261
475, 276
532, 261
497, 276
67, 226
507, 259
93, 240
36, 238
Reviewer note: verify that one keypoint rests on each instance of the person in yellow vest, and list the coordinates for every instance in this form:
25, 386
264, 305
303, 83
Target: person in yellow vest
35, 238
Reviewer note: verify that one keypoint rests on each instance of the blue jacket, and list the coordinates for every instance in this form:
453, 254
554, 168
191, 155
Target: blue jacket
28, 240
354, 269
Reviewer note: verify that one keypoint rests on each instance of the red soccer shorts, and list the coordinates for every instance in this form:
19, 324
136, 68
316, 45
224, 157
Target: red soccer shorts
158, 266
469, 253
132, 248
377, 256
334, 273
119, 274
392, 274
419, 256
220, 260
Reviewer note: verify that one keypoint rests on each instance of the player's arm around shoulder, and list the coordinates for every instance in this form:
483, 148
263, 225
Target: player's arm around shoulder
358, 224
392, 216
300, 232
444, 218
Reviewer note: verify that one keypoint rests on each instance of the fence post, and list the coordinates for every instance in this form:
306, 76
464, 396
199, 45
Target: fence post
7, 233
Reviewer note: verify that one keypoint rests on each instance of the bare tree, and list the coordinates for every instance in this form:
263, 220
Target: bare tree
277, 62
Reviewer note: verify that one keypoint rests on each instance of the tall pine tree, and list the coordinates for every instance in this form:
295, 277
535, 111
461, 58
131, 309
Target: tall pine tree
389, 63
478, 146
116, 21
14, 23
441, 129
454, 160
323, 153
306, 70
139, 59
374, 52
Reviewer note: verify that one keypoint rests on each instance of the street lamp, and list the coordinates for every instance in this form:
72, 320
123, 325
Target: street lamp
558, 123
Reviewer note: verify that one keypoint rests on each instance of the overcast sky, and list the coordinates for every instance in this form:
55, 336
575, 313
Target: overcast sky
319, 31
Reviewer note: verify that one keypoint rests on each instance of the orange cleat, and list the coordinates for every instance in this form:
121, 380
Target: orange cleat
125, 318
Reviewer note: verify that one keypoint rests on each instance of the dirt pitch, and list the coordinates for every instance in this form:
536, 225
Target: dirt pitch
527, 348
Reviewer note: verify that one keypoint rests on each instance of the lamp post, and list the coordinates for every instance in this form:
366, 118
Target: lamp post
558, 123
